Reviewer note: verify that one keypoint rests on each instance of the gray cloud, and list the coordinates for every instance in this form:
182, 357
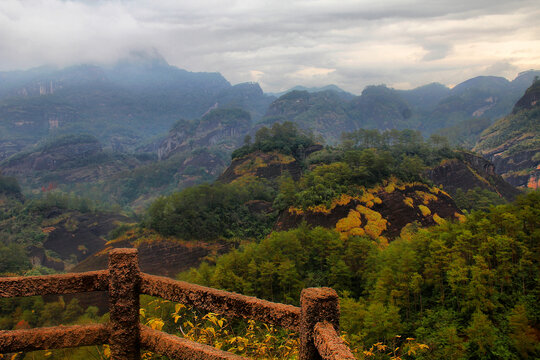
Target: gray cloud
281, 43
436, 51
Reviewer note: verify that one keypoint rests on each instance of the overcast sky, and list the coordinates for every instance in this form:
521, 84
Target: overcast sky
282, 43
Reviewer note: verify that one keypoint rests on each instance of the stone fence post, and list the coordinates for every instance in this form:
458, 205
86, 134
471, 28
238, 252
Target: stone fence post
124, 283
316, 305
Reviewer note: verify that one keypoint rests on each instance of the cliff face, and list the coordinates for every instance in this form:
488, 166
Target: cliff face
380, 213
470, 172
530, 99
519, 168
78, 234
157, 255
65, 237
513, 142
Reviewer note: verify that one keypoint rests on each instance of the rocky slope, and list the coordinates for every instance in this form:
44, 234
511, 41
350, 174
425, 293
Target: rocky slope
513, 142
268, 166
469, 172
72, 236
157, 256
381, 212
56, 231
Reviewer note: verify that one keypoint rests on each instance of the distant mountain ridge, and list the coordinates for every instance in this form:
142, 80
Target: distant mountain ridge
315, 89
67, 160
425, 97
427, 108
125, 104
130, 103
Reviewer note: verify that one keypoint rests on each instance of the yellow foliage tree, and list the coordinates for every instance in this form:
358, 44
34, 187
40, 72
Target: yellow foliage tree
409, 202
351, 225
425, 210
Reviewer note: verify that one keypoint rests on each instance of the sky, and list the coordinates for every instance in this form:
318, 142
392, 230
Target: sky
283, 43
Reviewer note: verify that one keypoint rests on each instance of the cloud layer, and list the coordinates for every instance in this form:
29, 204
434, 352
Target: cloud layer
283, 43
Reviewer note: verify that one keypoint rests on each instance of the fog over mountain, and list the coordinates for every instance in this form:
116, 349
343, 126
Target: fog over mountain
351, 44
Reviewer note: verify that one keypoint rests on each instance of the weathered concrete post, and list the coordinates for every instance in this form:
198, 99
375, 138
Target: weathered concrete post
316, 305
124, 283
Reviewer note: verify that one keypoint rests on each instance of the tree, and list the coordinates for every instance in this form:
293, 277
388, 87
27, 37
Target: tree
482, 335
13, 258
522, 334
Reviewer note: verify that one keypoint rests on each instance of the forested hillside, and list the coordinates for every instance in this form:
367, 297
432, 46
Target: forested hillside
374, 183
460, 287
107, 155
466, 289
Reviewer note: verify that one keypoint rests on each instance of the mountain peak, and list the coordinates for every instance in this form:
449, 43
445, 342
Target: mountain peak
331, 87
485, 83
144, 58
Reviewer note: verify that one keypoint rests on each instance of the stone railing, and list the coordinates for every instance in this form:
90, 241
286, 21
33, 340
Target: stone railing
316, 320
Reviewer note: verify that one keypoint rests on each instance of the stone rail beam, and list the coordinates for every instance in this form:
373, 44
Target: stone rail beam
221, 302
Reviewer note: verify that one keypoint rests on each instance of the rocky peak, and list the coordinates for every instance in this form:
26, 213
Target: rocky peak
224, 128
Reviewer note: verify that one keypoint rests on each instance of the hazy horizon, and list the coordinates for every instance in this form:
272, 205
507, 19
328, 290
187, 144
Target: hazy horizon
351, 44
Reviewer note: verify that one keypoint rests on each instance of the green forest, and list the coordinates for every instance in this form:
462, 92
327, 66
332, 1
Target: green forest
468, 290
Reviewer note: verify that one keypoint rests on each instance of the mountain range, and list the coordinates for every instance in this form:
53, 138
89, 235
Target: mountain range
430, 108
124, 105
139, 128
132, 104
